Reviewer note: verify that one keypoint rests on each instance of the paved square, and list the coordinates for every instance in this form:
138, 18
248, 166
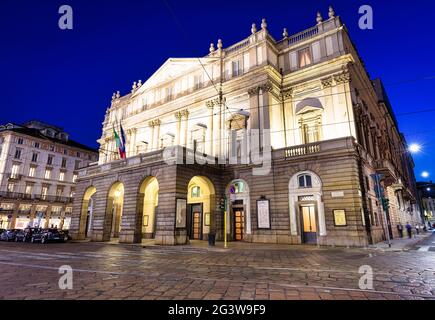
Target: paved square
246, 271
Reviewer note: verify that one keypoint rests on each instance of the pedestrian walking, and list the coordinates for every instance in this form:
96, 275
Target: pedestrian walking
409, 230
400, 229
417, 229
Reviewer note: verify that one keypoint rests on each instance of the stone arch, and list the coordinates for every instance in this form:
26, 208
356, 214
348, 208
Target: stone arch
147, 203
114, 206
85, 223
202, 207
310, 194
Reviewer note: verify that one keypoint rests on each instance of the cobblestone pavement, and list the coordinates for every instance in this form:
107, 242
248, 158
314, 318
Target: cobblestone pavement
107, 271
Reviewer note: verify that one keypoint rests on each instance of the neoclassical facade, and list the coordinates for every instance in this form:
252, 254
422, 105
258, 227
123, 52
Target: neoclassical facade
289, 131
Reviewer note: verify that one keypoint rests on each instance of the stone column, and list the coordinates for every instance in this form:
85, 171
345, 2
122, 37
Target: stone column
209, 134
32, 214
178, 133
254, 118
151, 143
47, 217
184, 127
156, 135
216, 136
130, 232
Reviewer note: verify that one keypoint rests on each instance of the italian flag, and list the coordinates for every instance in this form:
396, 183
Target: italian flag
120, 142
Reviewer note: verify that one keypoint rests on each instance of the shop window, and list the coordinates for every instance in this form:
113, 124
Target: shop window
305, 181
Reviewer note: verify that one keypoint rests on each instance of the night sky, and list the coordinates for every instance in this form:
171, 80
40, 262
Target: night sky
67, 77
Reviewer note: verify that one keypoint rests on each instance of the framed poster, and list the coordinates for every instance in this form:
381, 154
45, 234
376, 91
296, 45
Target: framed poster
263, 214
146, 220
207, 219
180, 221
340, 218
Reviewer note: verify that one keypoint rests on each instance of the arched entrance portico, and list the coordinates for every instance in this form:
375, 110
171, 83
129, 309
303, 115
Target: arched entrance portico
238, 210
307, 214
86, 216
115, 201
148, 201
201, 206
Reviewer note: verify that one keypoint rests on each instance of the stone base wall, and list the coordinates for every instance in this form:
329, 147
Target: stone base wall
340, 185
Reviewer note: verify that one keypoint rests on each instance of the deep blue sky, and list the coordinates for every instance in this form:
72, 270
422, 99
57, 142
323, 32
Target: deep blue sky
67, 77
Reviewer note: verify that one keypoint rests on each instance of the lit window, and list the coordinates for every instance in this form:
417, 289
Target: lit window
29, 189
44, 192
11, 187
74, 178
47, 174
305, 181
304, 58
239, 187
196, 192
15, 171
62, 176
32, 172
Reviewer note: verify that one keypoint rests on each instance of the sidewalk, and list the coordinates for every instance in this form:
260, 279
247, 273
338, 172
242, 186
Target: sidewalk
401, 244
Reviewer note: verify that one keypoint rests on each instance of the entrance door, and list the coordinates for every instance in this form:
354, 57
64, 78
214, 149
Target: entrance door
309, 228
196, 220
239, 224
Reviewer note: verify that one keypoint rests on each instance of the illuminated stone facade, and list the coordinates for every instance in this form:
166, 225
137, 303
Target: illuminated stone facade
329, 125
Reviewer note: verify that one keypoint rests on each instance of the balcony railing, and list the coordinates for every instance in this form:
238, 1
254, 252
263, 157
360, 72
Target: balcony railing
302, 150
23, 196
303, 35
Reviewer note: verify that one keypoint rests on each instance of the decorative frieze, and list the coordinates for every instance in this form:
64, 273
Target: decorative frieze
342, 78
327, 82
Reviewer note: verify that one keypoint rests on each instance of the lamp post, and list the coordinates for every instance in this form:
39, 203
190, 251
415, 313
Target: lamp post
385, 203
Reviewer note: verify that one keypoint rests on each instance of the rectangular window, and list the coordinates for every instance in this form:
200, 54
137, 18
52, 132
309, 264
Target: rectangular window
36, 145
59, 192
17, 154
50, 160
34, 157
236, 68
304, 57
74, 177
197, 81
65, 151
62, 176
169, 93
78, 155
29, 189
32, 172
20, 141
77, 164
47, 174
15, 171
63, 162
44, 192
11, 187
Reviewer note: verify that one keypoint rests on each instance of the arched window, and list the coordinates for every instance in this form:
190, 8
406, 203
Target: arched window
239, 187
305, 181
196, 192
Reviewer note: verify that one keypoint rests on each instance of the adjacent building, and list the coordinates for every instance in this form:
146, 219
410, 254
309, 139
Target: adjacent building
275, 138
39, 165
426, 191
